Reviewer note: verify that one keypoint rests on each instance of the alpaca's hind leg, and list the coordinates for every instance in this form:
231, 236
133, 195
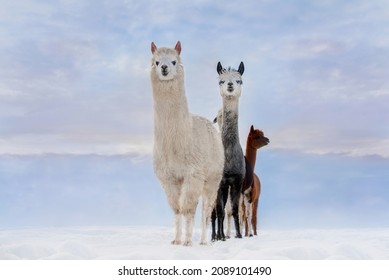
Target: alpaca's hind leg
254, 216
249, 218
218, 213
208, 202
243, 218
228, 213
228, 225
213, 218
205, 218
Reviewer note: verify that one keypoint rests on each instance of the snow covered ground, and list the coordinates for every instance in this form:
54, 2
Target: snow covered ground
154, 243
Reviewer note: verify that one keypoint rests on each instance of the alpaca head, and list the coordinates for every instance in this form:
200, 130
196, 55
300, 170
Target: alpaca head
218, 119
256, 138
166, 62
230, 81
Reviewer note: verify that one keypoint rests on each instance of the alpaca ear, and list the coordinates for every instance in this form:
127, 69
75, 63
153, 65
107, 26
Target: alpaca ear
241, 68
215, 120
153, 47
178, 47
219, 68
252, 129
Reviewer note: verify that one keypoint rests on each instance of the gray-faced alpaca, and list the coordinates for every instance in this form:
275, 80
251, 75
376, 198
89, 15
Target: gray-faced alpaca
188, 152
230, 82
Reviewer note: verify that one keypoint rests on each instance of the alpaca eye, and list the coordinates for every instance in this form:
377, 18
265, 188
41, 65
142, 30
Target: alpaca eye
239, 82
157, 63
174, 63
221, 82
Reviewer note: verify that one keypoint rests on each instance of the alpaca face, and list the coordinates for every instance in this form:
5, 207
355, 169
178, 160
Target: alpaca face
165, 61
230, 81
257, 139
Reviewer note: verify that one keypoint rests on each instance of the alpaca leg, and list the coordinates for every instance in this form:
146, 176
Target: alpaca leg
219, 211
235, 199
213, 218
249, 218
228, 225
254, 217
247, 214
190, 197
243, 218
206, 216
204, 222
209, 198
177, 227
228, 213
173, 193
189, 223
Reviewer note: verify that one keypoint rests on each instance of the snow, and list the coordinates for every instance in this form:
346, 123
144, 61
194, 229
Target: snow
153, 243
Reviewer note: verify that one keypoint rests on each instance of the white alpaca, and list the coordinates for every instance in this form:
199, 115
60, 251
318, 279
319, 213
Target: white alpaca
188, 151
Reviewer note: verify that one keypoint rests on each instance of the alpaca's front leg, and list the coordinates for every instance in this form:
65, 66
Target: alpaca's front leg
190, 197
177, 228
173, 192
189, 224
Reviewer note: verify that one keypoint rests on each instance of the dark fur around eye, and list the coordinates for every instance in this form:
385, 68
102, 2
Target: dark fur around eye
239, 82
221, 82
174, 63
157, 63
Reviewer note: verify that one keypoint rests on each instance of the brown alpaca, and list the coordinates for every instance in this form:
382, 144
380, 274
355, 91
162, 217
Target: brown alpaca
255, 140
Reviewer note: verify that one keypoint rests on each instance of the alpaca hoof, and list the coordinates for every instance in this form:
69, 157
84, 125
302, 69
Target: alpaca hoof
203, 243
176, 242
238, 236
228, 237
187, 243
251, 235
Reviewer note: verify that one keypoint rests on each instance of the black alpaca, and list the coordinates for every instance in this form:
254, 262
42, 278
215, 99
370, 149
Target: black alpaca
230, 82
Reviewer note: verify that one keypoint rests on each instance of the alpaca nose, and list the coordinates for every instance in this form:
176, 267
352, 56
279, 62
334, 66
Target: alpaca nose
164, 67
230, 84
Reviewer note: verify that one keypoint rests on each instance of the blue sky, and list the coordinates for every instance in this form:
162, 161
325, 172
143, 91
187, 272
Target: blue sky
74, 80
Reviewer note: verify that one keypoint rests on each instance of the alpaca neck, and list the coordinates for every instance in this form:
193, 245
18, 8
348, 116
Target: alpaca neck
171, 114
230, 129
251, 154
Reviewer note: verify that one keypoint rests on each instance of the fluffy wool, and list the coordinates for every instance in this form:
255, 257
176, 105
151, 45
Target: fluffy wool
230, 82
188, 152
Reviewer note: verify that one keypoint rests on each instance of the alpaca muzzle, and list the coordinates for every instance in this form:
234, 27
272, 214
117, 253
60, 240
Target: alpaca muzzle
164, 70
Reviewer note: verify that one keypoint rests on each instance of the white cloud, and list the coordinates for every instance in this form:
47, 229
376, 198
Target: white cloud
75, 144
326, 140
83, 66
